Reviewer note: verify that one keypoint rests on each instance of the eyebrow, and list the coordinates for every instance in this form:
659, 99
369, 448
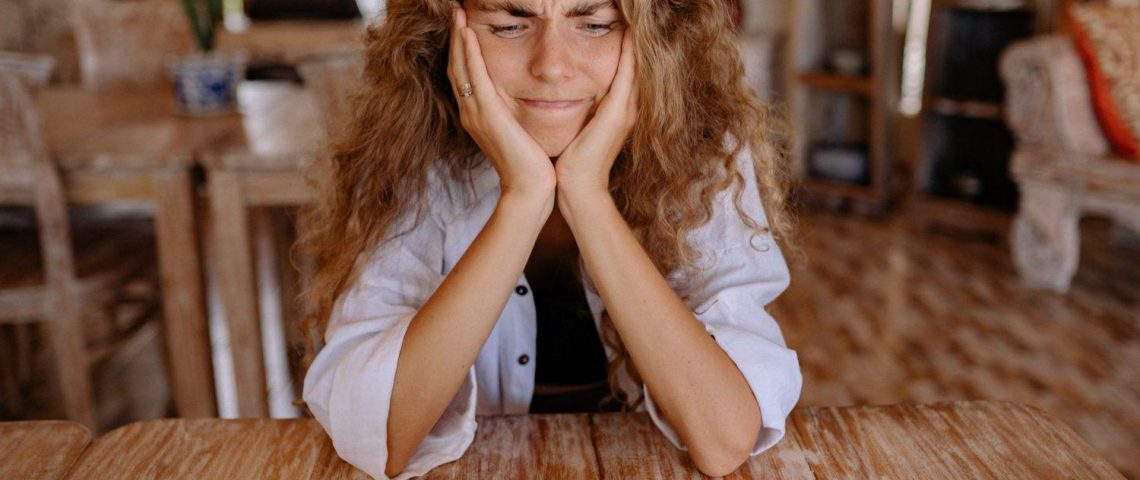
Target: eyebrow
516, 9
587, 9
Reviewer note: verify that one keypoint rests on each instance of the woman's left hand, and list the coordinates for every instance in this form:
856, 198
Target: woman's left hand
585, 164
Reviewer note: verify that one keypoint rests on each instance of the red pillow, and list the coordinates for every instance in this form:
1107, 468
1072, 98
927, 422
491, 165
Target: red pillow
1108, 39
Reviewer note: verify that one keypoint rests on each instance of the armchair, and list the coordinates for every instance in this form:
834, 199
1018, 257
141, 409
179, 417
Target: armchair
1062, 161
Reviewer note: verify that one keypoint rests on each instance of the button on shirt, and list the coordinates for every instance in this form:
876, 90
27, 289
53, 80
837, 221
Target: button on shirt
349, 385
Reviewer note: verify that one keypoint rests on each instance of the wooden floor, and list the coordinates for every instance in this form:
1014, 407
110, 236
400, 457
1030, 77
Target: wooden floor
880, 314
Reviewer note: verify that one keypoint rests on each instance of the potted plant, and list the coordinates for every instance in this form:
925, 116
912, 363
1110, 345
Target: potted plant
206, 82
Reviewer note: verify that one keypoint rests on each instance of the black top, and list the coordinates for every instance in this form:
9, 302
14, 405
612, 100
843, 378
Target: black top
570, 358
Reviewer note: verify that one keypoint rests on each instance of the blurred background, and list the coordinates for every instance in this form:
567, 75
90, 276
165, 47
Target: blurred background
968, 198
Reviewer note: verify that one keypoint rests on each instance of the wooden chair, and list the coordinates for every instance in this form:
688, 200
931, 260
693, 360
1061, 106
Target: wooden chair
124, 45
89, 300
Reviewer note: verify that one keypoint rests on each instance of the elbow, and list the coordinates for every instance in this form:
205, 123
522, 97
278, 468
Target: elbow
391, 470
719, 464
398, 457
723, 458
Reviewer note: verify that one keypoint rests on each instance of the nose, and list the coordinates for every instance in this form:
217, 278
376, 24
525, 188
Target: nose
551, 59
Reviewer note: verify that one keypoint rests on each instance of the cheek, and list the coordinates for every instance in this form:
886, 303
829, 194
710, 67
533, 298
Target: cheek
501, 60
604, 59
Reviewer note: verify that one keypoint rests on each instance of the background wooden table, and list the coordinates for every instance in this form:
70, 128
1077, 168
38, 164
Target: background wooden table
289, 42
40, 450
954, 440
131, 147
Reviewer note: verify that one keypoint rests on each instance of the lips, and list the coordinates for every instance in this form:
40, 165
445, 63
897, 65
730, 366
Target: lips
552, 104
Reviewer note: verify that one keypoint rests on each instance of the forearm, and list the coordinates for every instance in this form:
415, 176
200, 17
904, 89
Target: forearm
446, 335
693, 382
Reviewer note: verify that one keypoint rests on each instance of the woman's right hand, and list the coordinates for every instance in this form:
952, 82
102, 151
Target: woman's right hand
522, 164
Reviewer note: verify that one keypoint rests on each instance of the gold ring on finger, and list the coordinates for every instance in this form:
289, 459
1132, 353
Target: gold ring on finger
465, 90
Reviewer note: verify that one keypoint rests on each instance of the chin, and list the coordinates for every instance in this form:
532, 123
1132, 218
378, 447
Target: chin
554, 143
555, 149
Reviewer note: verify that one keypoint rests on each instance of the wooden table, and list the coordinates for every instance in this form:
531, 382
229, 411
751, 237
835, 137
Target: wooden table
40, 450
954, 440
289, 42
131, 147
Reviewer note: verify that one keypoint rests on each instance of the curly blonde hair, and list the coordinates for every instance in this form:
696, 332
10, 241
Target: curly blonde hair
692, 97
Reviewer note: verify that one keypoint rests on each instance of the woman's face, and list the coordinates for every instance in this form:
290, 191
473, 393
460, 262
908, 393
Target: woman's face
552, 60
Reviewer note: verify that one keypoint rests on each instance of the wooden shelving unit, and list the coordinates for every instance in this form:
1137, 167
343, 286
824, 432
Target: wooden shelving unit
957, 143
842, 76
859, 85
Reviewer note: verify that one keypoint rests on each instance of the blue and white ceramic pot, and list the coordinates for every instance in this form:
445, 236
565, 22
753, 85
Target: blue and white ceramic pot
206, 84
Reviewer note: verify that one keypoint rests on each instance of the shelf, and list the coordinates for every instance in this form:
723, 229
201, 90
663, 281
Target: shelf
836, 82
976, 109
843, 106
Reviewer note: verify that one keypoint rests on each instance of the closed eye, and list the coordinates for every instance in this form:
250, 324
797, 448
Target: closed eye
599, 29
508, 31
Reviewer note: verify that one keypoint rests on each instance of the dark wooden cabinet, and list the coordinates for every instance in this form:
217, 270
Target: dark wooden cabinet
960, 145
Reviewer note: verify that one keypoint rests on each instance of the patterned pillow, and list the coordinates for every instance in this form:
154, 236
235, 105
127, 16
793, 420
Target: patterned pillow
1108, 39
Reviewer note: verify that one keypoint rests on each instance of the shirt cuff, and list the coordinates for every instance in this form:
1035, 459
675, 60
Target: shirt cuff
359, 392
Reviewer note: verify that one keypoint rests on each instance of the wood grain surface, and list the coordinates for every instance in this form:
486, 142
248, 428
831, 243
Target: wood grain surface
630, 446
527, 446
209, 448
976, 440
40, 450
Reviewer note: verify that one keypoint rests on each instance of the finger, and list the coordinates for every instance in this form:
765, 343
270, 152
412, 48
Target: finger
477, 69
627, 63
457, 64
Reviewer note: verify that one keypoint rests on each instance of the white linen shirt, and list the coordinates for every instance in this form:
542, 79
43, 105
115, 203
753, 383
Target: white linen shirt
348, 388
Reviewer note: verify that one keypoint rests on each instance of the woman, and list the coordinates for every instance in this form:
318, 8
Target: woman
518, 169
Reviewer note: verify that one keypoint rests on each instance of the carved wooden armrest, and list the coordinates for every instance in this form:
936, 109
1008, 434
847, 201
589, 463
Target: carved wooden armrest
1047, 97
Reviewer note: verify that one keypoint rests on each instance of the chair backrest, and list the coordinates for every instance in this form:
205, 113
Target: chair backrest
21, 142
24, 159
124, 45
334, 80
34, 69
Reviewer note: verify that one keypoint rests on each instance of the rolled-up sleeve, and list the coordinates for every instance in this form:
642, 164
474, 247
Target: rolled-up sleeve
743, 274
348, 387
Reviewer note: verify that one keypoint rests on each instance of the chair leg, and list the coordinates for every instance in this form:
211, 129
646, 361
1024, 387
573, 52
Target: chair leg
1046, 236
65, 332
10, 370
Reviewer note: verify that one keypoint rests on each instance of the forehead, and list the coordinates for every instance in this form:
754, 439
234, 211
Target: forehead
529, 8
